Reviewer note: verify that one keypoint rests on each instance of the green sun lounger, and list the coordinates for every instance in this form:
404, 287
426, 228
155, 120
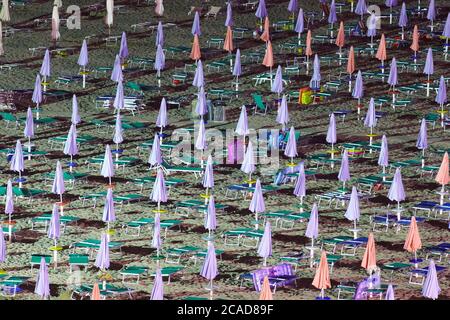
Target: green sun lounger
46, 217
168, 169
169, 272
89, 245
61, 140
200, 255
10, 284
70, 177
23, 192
170, 182
332, 259
36, 259
174, 255
242, 235
78, 260
195, 205
133, 271
122, 161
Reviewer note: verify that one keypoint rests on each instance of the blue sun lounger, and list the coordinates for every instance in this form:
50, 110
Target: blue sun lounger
417, 276
428, 206
441, 250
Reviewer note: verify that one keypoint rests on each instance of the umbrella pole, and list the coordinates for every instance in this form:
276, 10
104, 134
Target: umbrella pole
340, 56
350, 83
311, 262
384, 173
231, 62
359, 107
398, 210
299, 39
71, 163
270, 76
322, 293
29, 148
423, 158
355, 232
55, 254
117, 155
332, 155
110, 184
84, 77
265, 261
45, 83
20, 179
390, 15
331, 31
301, 203
403, 33
307, 64
370, 138
211, 291
446, 49
37, 111
428, 86
9, 228
393, 97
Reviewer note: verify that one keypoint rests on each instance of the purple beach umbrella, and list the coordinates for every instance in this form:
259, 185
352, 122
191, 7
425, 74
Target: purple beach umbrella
162, 120
155, 158
37, 94
159, 35
300, 25
109, 211
17, 163
292, 6
210, 218
372, 27
102, 258
70, 145
291, 145
196, 25
383, 158
312, 230
371, 120
396, 191
430, 288
58, 182
83, 60
9, 206
28, 131
107, 170
75, 118
422, 139
118, 132
332, 17
257, 204
160, 63
344, 171
261, 11
446, 34
249, 163
300, 185
45, 68
199, 80
358, 90
209, 268
332, 136
116, 74
200, 141
277, 85
42, 283
361, 8
158, 287
2, 246
403, 20
390, 295
201, 107
159, 191
156, 238
441, 97
316, 77
119, 99
393, 79
431, 13
390, 4
54, 228
237, 69
229, 19
265, 245
208, 176
123, 51
429, 68
353, 211
242, 125
283, 113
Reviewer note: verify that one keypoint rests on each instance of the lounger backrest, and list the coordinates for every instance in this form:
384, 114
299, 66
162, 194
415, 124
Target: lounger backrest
283, 269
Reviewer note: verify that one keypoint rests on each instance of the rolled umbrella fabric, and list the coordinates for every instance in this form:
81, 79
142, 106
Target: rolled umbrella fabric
109, 19
162, 120
75, 118
198, 77
344, 171
277, 85
2, 246
155, 158
159, 191
369, 261
261, 11
229, 19
283, 113
210, 219
54, 228
118, 130
208, 176
353, 212
117, 74
312, 229
123, 50
119, 99
4, 13
413, 241
396, 191
195, 30
28, 131
107, 169
322, 277
291, 145
109, 211
266, 291
361, 8
42, 283
159, 8
159, 35
58, 182
70, 146
55, 24
156, 238
265, 245
209, 268
200, 142
158, 287
331, 132
248, 164
195, 52
390, 295
431, 288
257, 204
237, 69
242, 125
102, 259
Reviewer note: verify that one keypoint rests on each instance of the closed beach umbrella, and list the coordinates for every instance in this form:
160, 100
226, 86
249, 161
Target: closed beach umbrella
45, 68
265, 245
196, 25
390, 4
159, 10
17, 163
372, 27
431, 13
4, 13
353, 211
413, 241
277, 86
331, 132
208, 176
403, 20
358, 90
266, 292
291, 145
242, 125
332, 17
446, 34
198, 77
42, 284
316, 77
37, 94
160, 62
300, 185
431, 287
390, 295
344, 171
415, 42
155, 158
283, 113
383, 158
237, 69
361, 8
117, 74
396, 191
55, 24
70, 145
443, 176
195, 52
369, 261
158, 287
257, 204
322, 277
107, 170
118, 133
371, 119
109, 211
200, 142
83, 58
28, 131
292, 6
312, 230
265, 36
9, 206
123, 51
162, 120
248, 164
159, 35
340, 40
102, 259
229, 19
109, 14
441, 97
2, 246
300, 25
54, 231
210, 219
429, 68
119, 99
261, 11
393, 79
159, 191
422, 140
228, 43
268, 59
75, 118
381, 52
58, 182
95, 295
156, 239
209, 268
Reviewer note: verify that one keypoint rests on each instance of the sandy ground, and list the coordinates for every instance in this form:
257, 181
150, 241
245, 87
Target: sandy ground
400, 126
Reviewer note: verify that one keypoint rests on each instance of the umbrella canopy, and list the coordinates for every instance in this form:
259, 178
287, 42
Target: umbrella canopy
403, 19
391, 3
300, 183
95, 295
369, 261
109, 211
17, 164
107, 170
242, 125
42, 284
237, 69
119, 99
158, 287
277, 85
300, 23
443, 177
291, 145
2, 246
393, 76
441, 96
159, 35
390, 295
422, 139
257, 204
209, 269
344, 171
358, 89
75, 118
331, 132
117, 74
413, 241
322, 276
200, 142
361, 7
83, 58
102, 258
265, 36
196, 25
340, 38
283, 113
229, 19
383, 158
195, 52
159, 191
109, 12
70, 146
118, 130
198, 77
28, 131
268, 57
446, 30
210, 219
9, 199
415, 39
265, 245
381, 52
155, 158
45, 67
162, 121
228, 43
316, 77
159, 8
431, 13
58, 181
208, 176
396, 191
371, 120
332, 17
292, 6
261, 11
123, 51
37, 91
266, 291
308, 50
55, 24
353, 211
4, 13
156, 239
431, 287
312, 230
372, 25
160, 58
429, 63
248, 164
54, 231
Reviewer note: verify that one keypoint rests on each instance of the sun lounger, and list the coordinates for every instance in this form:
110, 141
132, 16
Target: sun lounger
10, 285
45, 220
110, 291
428, 206
148, 222
169, 272
123, 162
417, 276
61, 140
78, 260
282, 217
170, 182
174, 255
243, 235
23, 193
296, 259
36, 259
70, 177
233, 191
192, 205
133, 271
89, 245
440, 250
168, 169
332, 259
